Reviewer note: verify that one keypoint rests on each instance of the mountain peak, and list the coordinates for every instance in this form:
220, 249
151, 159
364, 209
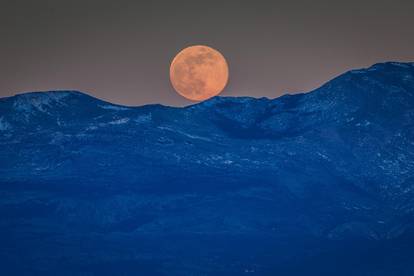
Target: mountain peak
40, 100
50, 94
384, 67
44, 101
375, 83
390, 64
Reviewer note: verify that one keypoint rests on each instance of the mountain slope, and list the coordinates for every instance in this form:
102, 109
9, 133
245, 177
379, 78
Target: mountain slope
292, 179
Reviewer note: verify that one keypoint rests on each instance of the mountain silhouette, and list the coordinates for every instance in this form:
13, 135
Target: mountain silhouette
318, 183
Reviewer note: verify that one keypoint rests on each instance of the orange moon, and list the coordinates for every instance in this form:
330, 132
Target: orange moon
199, 72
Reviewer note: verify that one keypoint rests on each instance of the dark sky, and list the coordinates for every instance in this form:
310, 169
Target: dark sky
120, 51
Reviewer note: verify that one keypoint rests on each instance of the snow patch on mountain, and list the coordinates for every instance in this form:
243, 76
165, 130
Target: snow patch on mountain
119, 121
114, 107
184, 133
143, 118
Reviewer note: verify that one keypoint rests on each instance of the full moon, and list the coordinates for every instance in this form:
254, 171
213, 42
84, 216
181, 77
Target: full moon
199, 72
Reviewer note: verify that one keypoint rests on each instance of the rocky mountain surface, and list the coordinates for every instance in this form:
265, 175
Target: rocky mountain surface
320, 183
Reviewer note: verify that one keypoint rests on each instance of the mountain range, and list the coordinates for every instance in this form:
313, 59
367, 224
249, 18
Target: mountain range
318, 183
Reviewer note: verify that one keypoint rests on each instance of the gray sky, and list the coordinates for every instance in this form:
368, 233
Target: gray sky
120, 51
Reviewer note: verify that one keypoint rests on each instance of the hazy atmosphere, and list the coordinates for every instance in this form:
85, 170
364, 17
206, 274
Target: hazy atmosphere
120, 51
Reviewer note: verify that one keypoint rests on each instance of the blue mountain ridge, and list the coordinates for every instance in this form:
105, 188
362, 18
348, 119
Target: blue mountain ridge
318, 183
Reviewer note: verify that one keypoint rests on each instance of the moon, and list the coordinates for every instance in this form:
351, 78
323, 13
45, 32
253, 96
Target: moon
199, 72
